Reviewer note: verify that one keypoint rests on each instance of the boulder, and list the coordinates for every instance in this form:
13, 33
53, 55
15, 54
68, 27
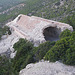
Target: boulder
48, 68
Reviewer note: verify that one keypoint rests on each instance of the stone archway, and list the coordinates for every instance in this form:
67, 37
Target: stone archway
51, 33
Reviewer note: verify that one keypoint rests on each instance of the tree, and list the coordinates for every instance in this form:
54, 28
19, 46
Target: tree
65, 33
24, 55
6, 66
42, 49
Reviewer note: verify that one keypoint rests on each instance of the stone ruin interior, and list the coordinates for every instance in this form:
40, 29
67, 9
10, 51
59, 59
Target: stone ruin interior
51, 33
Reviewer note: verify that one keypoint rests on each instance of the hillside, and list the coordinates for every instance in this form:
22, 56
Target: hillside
58, 10
21, 52
5, 4
50, 9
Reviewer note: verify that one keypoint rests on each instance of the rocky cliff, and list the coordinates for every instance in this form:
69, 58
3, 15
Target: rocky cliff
37, 29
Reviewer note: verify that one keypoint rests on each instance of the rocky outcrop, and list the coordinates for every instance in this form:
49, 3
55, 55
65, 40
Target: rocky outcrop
37, 29
6, 45
34, 29
46, 68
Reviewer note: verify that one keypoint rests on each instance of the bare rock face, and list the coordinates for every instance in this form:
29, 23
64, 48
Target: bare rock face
37, 29
6, 45
46, 68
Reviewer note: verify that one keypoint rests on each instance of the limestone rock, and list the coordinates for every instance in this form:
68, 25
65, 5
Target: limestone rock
6, 44
37, 29
46, 68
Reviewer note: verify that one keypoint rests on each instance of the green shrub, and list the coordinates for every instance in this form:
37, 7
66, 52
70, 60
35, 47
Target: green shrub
42, 49
19, 44
58, 50
69, 58
5, 30
52, 55
23, 55
29, 59
65, 33
6, 66
64, 50
70, 20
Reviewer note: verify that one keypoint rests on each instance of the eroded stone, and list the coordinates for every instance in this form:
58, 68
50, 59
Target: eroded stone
38, 29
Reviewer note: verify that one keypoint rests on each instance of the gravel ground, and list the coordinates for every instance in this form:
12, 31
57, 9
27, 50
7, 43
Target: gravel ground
46, 68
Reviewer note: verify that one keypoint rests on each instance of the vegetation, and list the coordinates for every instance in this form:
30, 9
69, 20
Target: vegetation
63, 49
5, 4
65, 33
42, 49
4, 31
26, 53
23, 55
70, 20
49, 9
6, 66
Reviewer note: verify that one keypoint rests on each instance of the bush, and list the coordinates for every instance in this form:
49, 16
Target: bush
26, 53
42, 49
29, 59
5, 30
6, 67
69, 57
70, 53
19, 44
70, 20
64, 50
52, 55
58, 50
23, 55
65, 33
